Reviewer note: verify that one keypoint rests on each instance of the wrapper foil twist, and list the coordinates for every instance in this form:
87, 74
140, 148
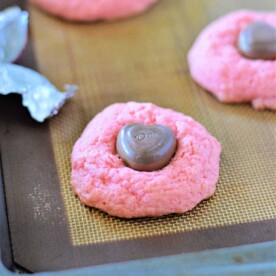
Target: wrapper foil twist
41, 97
13, 33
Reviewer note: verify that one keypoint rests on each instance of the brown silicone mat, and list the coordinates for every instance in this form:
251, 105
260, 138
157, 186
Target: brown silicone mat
139, 59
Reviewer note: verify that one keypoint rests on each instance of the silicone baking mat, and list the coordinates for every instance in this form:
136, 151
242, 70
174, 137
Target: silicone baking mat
139, 59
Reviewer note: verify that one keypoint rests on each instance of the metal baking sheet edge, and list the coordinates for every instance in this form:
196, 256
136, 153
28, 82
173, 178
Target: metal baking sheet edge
255, 259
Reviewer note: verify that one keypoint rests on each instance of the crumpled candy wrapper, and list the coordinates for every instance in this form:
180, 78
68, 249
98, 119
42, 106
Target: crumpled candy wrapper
13, 33
41, 97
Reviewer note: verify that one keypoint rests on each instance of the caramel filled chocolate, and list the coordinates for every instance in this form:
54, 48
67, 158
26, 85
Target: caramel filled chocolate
258, 41
146, 147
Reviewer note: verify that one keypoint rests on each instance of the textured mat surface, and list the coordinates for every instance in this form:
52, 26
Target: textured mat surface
144, 59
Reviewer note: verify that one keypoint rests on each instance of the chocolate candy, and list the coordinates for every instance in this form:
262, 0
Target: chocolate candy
258, 41
146, 147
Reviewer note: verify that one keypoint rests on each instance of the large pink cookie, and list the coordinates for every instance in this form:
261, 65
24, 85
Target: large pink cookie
216, 64
102, 180
90, 10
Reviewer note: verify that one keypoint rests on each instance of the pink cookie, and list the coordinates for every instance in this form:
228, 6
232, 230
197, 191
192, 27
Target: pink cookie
216, 64
102, 180
91, 10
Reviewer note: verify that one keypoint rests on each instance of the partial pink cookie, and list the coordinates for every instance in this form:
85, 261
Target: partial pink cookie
102, 180
92, 10
216, 64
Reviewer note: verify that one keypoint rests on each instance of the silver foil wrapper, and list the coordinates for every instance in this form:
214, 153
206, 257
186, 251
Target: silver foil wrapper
40, 96
13, 33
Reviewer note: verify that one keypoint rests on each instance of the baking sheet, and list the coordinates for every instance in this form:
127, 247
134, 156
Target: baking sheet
140, 59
